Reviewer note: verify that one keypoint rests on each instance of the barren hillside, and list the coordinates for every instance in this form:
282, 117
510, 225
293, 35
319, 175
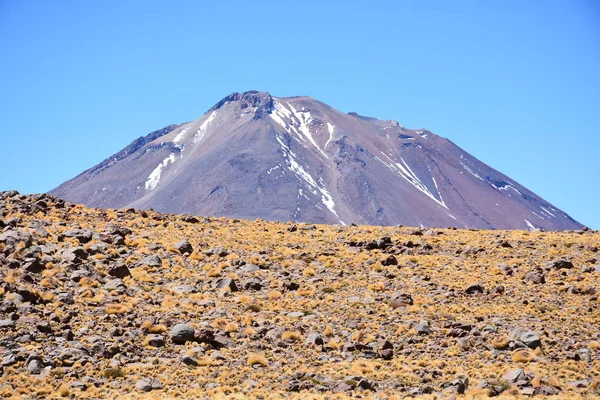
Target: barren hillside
125, 303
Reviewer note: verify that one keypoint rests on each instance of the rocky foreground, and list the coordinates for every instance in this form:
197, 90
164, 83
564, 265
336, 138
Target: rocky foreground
126, 303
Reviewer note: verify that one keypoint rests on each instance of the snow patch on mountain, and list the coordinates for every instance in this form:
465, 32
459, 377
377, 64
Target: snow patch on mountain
154, 177
405, 172
305, 176
530, 225
469, 170
299, 123
331, 129
181, 135
547, 212
202, 130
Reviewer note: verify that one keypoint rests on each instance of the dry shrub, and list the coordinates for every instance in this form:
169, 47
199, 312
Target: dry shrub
257, 359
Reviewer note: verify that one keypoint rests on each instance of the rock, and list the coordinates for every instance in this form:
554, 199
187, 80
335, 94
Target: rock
291, 286
82, 235
583, 383
546, 390
148, 384
585, 355
528, 338
314, 338
227, 283
115, 284
182, 333
295, 314
189, 361
253, 284
119, 270
495, 388
183, 246
514, 376
535, 276
474, 289
391, 260
401, 298
151, 261
527, 391
422, 328
249, 268
34, 364
361, 382
458, 385
156, 341
78, 385
13, 237
33, 265
559, 264
184, 289
9, 359
463, 343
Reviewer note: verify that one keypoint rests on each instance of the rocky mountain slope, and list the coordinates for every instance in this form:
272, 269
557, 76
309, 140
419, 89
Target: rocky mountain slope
126, 303
254, 155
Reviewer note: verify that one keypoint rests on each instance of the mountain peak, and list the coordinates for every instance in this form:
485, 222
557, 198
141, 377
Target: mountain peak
252, 98
253, 155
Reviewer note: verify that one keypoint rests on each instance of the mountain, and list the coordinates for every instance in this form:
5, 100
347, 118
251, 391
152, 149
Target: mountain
254, 155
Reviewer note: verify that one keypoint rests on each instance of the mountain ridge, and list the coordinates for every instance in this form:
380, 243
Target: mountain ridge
255, 155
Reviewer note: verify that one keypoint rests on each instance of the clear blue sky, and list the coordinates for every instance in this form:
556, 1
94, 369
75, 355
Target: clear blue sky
515, 83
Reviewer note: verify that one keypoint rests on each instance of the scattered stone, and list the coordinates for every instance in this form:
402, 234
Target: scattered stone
183, 246
227, 283
182, 333
157, 340
148, 384
535, 276
474, 289
458, 386
82, 235
314, 338
423, 328
559, 264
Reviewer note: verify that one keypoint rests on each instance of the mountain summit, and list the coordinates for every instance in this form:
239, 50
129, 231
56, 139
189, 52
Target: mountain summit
254, 155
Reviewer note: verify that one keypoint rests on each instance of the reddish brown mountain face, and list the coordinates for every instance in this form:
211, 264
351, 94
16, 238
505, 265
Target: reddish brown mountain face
254, 155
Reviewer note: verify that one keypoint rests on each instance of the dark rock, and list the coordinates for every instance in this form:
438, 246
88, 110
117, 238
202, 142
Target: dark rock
559, 264
183, 246
182, 333
402, 298
291, 286
82, 235
474, 289
495, 388
151, 261
253, 284
458, 385
119, 270
148, 384
546, 390
535, 276
314, 338
391, 260
13, 237
33, 265
156, 340
226, 283
189, 361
